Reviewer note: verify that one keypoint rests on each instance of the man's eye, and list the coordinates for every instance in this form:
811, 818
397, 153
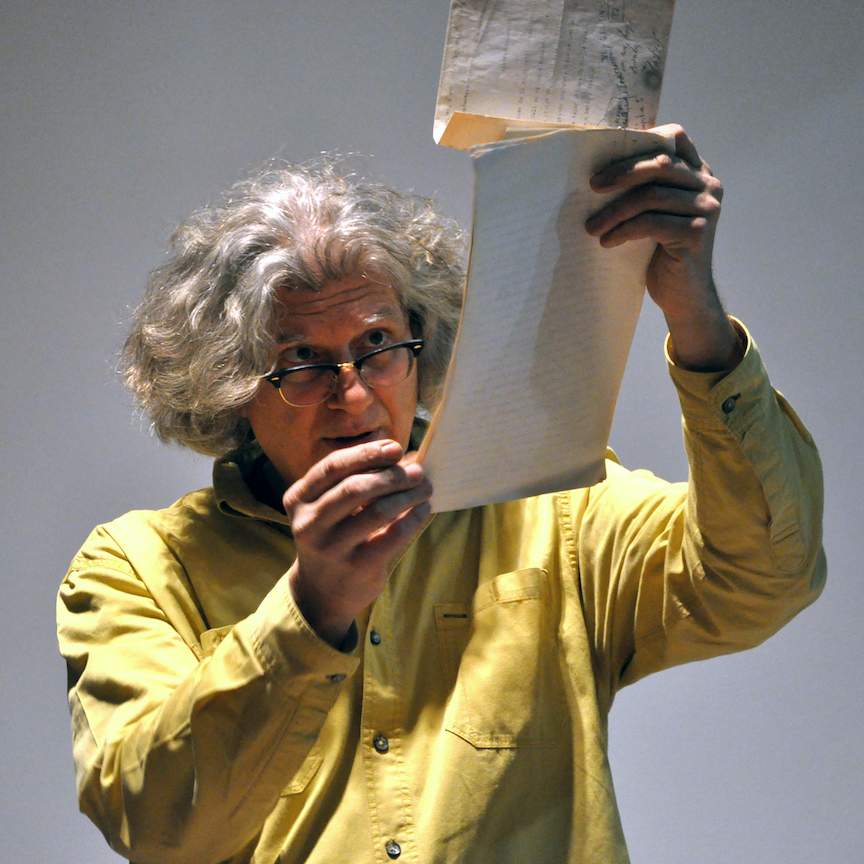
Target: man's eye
300, 354
377, 338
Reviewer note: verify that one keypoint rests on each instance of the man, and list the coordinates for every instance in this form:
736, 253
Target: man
300, 664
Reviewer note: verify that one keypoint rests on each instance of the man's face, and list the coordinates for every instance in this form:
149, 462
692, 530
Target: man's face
344, 320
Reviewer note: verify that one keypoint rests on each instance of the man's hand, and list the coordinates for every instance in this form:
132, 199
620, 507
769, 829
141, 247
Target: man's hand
675, 201
353, 514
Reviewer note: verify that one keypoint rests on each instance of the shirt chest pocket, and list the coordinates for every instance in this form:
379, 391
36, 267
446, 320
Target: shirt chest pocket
500, 657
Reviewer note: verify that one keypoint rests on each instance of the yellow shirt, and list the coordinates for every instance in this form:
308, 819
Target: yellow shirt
467, 721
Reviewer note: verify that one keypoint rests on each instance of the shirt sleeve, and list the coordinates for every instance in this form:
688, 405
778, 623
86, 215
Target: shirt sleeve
672, 573
181, 752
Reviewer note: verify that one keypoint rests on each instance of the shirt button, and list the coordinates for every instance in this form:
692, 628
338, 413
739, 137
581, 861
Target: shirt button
375, 637
729, 405
338, 678
393, 849
381, 744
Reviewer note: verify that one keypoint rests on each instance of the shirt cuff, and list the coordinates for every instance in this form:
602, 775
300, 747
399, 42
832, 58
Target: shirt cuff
729, 398
290, 650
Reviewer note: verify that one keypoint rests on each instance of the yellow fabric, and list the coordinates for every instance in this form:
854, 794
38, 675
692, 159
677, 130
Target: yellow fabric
211, 723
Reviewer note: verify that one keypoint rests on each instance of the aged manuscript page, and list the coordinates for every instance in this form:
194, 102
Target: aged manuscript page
550, 63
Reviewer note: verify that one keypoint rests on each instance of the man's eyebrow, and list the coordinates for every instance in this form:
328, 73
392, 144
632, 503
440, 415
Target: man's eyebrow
288, 339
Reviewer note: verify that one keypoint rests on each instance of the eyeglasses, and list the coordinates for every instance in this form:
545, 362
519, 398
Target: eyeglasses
312, 384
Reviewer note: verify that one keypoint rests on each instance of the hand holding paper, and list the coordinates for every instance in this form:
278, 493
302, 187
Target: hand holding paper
673, 199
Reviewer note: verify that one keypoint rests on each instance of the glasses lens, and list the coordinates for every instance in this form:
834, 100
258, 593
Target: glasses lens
389, 367
311, 385
306, 386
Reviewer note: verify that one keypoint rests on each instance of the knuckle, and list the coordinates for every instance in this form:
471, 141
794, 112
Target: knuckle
331, 466
709, 205
291, 499
716, 188
302, 527
355, 485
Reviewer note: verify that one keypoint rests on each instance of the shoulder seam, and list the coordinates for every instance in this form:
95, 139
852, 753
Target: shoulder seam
80, 563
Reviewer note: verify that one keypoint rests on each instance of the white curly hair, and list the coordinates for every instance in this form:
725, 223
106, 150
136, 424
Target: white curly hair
203, 336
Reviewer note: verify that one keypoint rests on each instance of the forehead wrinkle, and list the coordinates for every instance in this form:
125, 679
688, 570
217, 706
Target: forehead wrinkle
318, 302
384, 313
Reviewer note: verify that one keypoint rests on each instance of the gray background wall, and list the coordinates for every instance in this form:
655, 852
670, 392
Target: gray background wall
117, 119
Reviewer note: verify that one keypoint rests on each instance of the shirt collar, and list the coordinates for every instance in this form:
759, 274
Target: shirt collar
237, 474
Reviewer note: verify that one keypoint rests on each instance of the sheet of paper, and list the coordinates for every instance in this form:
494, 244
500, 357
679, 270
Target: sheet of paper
546, 327
558, 62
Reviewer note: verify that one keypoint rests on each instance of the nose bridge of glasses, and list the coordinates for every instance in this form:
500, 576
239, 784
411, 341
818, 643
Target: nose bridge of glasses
348, 364
338, 382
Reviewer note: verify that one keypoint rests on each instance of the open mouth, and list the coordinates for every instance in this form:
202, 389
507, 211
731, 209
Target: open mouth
351, 440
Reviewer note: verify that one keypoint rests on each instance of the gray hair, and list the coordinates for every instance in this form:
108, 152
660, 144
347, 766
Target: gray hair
203, 336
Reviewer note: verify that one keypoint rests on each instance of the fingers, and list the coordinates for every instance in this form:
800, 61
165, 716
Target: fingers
684, 168
672, 199
662, 213
340, 464
346, 518
331, 589
373, 492
661, 168
666, 230
684, 147
353, 515
395, 537
354, 493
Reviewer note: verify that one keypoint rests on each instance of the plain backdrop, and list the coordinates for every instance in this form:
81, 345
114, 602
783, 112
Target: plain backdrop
117, 119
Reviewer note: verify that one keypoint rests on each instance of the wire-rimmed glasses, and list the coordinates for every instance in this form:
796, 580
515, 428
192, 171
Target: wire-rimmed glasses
313, 383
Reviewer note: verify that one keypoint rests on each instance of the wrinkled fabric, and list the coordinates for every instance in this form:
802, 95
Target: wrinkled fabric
465, 720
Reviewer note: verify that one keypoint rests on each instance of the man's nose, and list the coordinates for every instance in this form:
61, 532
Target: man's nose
350, 391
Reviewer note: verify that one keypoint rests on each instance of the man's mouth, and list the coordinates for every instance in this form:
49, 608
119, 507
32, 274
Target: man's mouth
351, 440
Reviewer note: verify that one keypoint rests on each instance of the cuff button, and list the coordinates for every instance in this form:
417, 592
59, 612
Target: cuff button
729, 405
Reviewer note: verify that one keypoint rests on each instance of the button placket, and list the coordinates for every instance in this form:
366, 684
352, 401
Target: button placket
390, 814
